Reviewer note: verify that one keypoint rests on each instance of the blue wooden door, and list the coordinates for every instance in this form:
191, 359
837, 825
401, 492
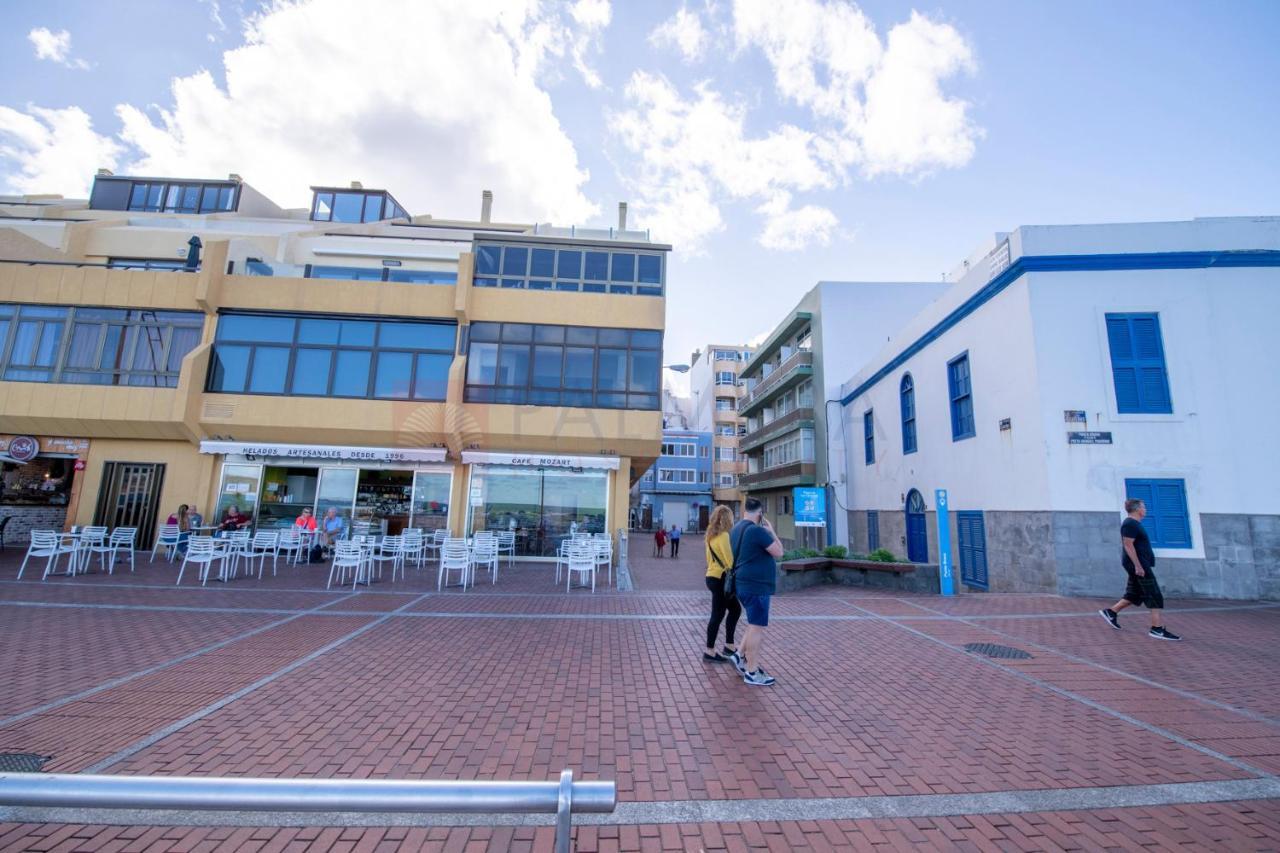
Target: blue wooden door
973, 549
917, 533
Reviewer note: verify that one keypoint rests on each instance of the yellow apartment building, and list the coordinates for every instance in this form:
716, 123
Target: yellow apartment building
175, 341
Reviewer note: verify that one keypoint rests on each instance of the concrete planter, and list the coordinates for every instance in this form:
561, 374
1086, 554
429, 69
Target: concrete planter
812, 571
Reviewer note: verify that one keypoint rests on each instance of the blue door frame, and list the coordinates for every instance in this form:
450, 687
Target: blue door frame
917, 532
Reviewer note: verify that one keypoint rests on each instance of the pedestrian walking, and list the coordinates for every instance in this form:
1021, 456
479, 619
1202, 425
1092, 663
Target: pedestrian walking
675, 541
1139, 562
755, 548
659, 541
724, 605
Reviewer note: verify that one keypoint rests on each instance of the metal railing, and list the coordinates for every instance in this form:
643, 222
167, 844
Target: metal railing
765, 386
213, 793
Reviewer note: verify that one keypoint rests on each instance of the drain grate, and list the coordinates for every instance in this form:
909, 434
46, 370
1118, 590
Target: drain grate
992, 650
22, 762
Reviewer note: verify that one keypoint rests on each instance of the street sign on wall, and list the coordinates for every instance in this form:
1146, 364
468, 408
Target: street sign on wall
810, 506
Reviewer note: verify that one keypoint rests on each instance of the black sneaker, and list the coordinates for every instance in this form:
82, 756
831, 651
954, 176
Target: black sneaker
716, 658
1110, 615
1162, 634
759, 679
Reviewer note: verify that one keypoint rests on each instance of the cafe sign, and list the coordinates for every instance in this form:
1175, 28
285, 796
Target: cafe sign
324, 452
539, 460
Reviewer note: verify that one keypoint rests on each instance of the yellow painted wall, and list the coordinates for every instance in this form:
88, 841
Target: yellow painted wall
188, 476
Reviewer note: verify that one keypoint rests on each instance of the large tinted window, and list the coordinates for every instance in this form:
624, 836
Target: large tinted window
563, 366
319, 356
176, 197
589, 271
95, 346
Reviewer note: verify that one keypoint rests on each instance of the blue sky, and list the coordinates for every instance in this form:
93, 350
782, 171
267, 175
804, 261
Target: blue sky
825, 140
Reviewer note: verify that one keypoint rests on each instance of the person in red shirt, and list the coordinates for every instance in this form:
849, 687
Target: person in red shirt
306, 521
659, 542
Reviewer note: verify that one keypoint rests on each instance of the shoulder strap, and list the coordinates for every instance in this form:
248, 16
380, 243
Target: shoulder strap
716, 557
735, 548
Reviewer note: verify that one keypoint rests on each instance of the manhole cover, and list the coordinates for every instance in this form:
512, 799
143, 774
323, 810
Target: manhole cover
992, 650
21, 762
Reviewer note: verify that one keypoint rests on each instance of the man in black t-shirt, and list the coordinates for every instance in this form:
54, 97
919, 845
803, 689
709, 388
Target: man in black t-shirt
1139, 562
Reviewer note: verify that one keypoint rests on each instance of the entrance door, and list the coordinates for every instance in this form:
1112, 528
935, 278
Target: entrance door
704, 514
130, 497
917, 533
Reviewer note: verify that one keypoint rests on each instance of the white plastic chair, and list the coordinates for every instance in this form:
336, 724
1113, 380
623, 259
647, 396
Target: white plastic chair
582, 559
360, 528
562, 556
264, 544
168, 538
455, 556
289, 542
604, 555
92, 540
413, 547
434, 542
50, 545
204, 551
484, 552
389, 550
346, 556
122, 539
507, 545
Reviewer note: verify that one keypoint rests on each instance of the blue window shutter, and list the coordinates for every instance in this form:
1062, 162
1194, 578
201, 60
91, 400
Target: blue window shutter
1137, 364
869, 437
1168, 522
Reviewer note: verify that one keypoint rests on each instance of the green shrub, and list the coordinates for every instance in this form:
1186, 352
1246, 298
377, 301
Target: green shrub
882, 555
838, 552
799, 554
809, 552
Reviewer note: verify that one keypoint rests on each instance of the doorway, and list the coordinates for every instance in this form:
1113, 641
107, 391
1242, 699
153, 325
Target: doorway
130, 497
917, 532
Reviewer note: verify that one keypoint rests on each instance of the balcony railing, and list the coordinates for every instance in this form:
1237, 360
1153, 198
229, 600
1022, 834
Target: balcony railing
778, 426
155, 266
792, 474
796, 361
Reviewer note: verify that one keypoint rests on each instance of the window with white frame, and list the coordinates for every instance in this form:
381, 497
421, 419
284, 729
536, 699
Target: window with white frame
676, 475
724, 404
679, 448
804, 394
704, 477
724, 377
725, 481
726, 454
796, 447
726, 429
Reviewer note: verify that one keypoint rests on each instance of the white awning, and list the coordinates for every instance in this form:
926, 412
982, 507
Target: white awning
539, 460
323, 452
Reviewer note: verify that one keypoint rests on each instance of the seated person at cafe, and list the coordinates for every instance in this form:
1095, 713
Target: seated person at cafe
306, 521
331, 527
196, 519
182, 520
233, 520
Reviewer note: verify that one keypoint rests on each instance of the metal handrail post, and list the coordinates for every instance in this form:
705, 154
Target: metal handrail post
564, 812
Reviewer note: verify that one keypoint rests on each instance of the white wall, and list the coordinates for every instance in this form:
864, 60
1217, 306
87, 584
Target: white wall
1218, 326
852, 323
993, 470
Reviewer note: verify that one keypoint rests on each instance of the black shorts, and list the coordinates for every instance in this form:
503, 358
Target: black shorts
1144, 590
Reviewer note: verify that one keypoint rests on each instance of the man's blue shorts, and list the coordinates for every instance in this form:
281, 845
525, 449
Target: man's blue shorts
756, 607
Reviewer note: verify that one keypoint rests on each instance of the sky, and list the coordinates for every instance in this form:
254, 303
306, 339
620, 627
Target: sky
772, 143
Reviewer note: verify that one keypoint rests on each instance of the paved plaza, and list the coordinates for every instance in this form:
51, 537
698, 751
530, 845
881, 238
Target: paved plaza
883, 732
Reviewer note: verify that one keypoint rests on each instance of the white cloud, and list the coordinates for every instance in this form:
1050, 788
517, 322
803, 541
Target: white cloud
684, 32
790, 229
55, 47
55, 151
875, 106
328, 91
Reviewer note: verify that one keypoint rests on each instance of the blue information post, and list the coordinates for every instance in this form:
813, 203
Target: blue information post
946, 577
810, 506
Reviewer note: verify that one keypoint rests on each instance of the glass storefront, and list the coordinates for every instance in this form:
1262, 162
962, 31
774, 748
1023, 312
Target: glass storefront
274, 495
543, 506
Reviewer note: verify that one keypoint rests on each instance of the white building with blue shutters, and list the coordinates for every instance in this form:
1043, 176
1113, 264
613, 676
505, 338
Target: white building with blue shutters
1070, 367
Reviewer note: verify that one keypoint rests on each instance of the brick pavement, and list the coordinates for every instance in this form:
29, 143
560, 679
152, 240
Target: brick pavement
518, 680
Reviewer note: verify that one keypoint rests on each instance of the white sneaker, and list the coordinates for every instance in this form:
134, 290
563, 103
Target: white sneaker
739, 663
759, 679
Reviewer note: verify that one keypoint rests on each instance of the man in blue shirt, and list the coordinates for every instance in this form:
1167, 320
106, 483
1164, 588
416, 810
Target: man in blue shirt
674, 536
755, 549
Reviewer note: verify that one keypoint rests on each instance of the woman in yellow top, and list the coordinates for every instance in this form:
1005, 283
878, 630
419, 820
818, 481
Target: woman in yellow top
720, 560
